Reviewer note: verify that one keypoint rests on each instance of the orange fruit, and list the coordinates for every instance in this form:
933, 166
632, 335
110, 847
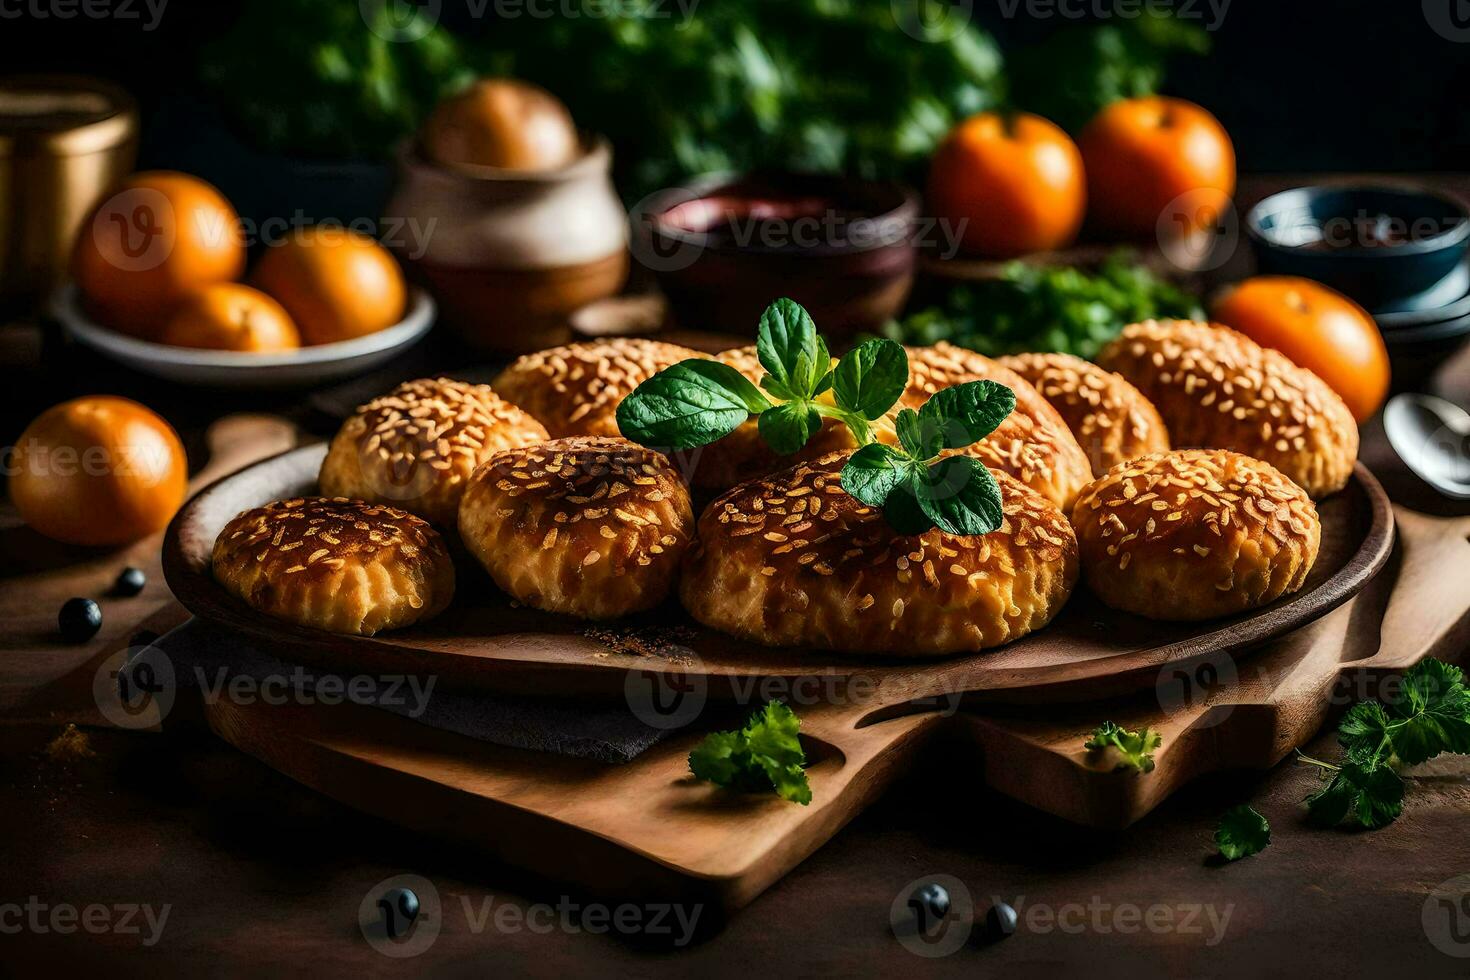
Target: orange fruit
1016, 181
335, 283
499, 122
154, 239
230, 316
1156, 159
98, 470
1318, 328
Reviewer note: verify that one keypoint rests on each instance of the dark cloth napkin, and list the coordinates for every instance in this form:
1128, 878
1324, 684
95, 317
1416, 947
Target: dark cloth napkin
205, 656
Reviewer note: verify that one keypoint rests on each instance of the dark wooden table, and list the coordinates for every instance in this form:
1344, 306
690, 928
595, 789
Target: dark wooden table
259, 874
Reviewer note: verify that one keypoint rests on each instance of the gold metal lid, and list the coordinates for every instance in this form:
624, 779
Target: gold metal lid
63, 115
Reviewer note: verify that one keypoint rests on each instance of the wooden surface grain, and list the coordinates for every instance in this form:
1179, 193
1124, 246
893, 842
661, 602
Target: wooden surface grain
260, 874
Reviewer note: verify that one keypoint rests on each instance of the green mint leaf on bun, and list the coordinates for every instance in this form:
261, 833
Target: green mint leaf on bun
870, 378
692, 403
786, 428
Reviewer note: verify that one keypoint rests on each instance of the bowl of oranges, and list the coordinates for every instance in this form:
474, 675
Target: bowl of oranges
160, 285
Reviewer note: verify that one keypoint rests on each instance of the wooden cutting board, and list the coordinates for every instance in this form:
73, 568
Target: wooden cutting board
647, 830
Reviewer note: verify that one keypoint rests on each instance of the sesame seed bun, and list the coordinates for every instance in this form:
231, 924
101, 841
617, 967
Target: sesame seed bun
1221, 390
793, 560
417, 445
1109, 418
1195, 534
1033, 444
335, 564
575, 390
588, 525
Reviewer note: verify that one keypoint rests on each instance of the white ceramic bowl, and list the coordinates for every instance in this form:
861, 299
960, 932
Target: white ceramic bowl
243, 369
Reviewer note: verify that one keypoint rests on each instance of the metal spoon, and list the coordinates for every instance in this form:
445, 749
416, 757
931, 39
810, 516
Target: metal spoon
1431, 436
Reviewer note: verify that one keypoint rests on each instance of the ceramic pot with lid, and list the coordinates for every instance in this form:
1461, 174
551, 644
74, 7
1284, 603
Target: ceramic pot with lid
511, 254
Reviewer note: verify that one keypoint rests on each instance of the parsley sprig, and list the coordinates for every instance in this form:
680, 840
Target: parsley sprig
1427, 716
698, 401
1135, 749
1242, 832
764, 755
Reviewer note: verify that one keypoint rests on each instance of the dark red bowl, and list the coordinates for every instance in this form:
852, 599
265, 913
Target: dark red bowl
725, 246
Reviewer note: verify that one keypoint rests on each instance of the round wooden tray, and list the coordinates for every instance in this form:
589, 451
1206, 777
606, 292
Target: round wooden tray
484, 641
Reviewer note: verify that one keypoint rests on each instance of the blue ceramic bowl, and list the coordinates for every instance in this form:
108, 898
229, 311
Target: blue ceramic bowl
1384, 246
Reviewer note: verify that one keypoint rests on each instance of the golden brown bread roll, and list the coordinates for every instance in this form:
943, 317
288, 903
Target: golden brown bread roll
335, 564
1033, 444
1195, 534
588, 525
794, 560
1219, 389
417, 445
575, 390
1110, 419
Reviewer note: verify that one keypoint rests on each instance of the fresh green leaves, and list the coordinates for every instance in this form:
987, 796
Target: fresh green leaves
1241, 833
1427, 715
918, 491
765, 755
696, 402
1135, 749
690, 404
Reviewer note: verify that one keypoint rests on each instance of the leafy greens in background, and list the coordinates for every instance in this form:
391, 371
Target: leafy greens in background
1057, 308
323, 78
764, 755
1080, 69
698, 401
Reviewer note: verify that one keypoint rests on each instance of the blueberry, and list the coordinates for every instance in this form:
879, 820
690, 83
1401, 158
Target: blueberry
1000, 921
79, 620
130, 582
929, 903
400, 906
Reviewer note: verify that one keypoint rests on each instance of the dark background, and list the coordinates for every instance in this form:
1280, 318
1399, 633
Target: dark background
1299, 84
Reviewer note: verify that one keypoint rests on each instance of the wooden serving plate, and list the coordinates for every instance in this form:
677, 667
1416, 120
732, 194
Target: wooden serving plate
486, 642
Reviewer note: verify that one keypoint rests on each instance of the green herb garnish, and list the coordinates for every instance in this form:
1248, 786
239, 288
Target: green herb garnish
764, 755
1135, 749
1241, 833
697, 402
1427, 716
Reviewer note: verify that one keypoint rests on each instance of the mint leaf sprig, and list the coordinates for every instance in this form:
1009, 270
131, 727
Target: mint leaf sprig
1429, 715
765, 755
699, 401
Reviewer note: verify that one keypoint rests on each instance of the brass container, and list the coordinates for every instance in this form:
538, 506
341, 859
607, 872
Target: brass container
64, 141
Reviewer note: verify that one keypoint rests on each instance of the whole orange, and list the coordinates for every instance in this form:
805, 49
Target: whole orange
335, 283
1156, 162
230, 316
1016, 182
1318, 328
155, 238
98, 470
